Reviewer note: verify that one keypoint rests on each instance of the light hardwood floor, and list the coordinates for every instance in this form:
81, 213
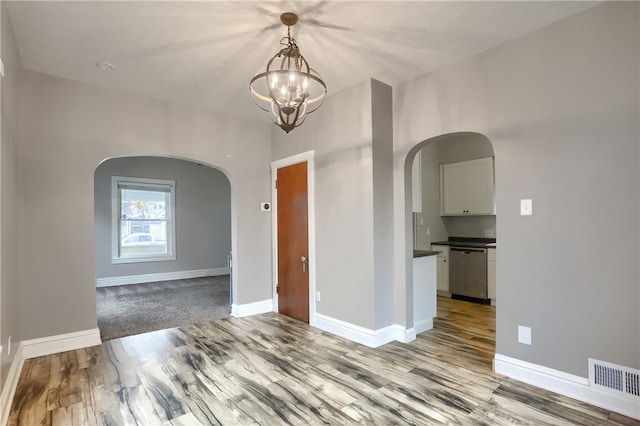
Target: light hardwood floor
270, 369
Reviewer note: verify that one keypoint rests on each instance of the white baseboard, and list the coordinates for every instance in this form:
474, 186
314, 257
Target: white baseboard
405, 335
563, 383
60, 343
10, 385
163, 276
255, 308
349, 331
423, 326
364, 336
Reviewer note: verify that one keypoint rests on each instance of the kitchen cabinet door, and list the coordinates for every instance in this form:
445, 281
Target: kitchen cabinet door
480, 187
442, 268
453, 189
467, 188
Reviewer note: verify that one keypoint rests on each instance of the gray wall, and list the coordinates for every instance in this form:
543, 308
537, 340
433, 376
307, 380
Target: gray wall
10, 218
340, 132
463, 146
203, 215
560, 107
382, 149
67, 129
352, 137
429, 219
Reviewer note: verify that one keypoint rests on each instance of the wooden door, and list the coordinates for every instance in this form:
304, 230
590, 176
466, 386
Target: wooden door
293, 243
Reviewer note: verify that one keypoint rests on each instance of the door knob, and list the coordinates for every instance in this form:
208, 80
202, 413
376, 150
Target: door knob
303, 259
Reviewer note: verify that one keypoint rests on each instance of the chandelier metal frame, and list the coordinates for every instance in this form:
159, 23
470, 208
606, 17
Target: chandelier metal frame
292, 89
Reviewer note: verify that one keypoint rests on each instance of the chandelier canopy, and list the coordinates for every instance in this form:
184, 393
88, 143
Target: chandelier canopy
288, 89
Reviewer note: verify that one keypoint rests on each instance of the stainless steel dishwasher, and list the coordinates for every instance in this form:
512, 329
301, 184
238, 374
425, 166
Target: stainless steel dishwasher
468, 272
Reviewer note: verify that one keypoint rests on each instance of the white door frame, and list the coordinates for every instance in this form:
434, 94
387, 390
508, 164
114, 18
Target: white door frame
307, 156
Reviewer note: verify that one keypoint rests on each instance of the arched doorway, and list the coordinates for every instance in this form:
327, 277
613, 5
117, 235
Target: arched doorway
162, 242
435, 225
446, 149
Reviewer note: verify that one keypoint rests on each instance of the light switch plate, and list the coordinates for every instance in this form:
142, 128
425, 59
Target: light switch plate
526, 207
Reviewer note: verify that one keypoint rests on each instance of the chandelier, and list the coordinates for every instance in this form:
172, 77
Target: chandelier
288, 89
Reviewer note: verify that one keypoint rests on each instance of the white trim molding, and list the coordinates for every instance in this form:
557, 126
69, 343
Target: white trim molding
405, 335
163, 276
10, 385
563, 383
162, 186
39, 347
308, 157
60, 343
255, 308
364, 336
423, 326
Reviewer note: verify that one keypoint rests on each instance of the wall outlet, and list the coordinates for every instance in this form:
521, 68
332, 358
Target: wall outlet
428, 232
524, 335
317, 296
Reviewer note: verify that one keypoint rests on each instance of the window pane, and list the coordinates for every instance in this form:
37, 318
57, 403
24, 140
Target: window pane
139, 204
139, 237
143, 228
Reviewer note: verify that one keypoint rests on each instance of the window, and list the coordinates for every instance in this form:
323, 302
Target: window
143, 228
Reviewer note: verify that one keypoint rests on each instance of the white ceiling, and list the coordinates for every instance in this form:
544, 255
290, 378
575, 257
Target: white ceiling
204, 53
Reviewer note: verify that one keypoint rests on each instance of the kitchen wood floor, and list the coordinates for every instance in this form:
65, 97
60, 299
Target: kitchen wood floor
270, 370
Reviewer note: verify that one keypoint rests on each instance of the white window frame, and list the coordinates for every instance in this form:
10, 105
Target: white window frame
116, 182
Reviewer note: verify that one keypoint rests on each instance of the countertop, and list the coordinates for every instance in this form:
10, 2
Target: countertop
424, 253
473, 242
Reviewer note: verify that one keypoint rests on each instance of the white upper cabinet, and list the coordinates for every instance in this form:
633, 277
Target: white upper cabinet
416, 185
467, 188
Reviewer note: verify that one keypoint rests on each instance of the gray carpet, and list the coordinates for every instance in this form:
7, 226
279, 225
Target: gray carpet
139, 308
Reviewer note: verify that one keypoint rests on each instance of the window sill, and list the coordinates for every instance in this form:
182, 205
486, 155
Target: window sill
143, 259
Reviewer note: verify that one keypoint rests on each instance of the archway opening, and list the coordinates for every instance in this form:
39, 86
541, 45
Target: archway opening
162, 231
453, 208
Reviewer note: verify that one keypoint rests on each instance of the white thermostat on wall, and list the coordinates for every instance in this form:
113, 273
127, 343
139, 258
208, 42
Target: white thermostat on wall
265, 207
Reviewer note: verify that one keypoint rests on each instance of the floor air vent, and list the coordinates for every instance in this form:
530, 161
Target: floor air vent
613, 378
